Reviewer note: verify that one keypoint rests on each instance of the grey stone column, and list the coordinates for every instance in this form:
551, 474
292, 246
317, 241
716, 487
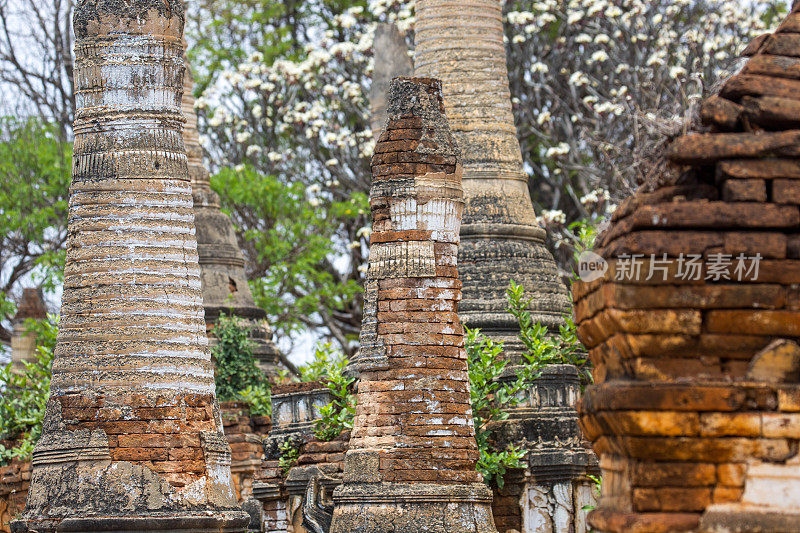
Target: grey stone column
132, 437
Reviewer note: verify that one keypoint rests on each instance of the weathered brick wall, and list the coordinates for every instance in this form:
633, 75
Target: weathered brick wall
14, 482
694, 408
245, 437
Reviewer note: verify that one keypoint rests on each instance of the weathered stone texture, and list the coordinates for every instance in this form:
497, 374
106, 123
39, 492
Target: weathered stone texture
694, 413
411, 462
132, 435
461, 43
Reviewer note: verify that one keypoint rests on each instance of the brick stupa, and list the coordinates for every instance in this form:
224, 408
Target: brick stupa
693, 330
410, 466
132, 438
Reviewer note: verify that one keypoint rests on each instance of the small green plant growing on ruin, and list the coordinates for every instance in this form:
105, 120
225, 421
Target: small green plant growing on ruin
258, 398
541, 347
288, 457
328, 367
235, 366
492, 397
490, 401
24, 395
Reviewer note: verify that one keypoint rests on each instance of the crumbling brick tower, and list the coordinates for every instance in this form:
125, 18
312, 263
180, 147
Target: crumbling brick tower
411, 463
693, 330
132, 436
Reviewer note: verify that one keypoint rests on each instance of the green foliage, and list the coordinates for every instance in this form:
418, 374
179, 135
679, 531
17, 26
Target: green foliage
24, 395
328, 367
289, 240
258, 398
35, 169
289, 455
490, 399
542, 348
236, 368
327, 361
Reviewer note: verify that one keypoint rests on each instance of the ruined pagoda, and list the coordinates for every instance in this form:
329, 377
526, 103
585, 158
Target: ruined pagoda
23, 341
225, 286
461, 43
410, 466
694, 330
132, 437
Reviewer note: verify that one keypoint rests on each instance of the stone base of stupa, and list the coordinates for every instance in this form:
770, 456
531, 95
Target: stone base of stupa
733, 518
225, 522
412, 508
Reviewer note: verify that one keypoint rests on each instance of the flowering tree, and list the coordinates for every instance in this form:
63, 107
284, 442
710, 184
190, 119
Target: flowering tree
597, 83
282, 95
283, 103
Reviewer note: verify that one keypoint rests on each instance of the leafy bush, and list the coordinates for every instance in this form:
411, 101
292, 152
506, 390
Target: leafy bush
258, 398
542, 348
25, 394
490, 401
328, 367
491, 398
236, 368
289, 455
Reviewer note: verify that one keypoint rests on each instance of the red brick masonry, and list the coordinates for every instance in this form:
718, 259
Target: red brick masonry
688, 391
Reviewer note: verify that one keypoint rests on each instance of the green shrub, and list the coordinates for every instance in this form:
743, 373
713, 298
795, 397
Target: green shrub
328, 367
24, 395
542, 348
289, 455
236, 369
258, 398
491, 399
